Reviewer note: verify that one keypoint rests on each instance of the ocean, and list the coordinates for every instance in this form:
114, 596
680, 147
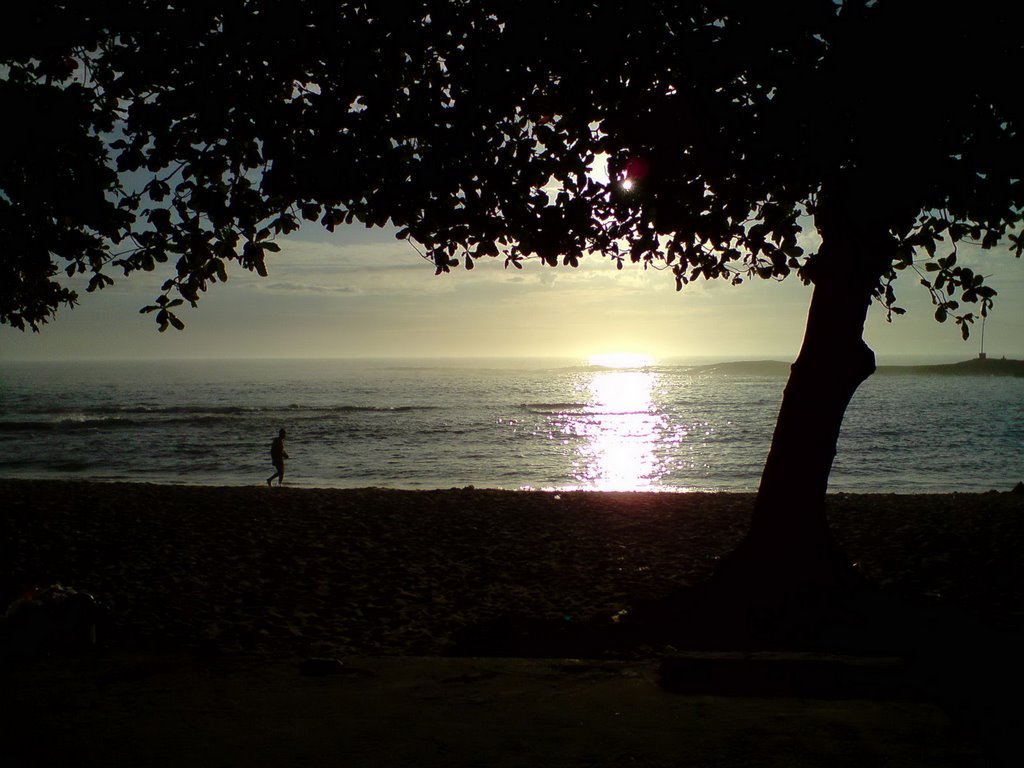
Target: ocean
538, 424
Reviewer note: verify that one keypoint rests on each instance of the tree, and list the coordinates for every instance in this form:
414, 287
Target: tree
149, 132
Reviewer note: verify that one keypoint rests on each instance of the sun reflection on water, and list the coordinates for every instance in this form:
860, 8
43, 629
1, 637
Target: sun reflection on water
620, 428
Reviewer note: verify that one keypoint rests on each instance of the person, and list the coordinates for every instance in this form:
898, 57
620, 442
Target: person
277, 457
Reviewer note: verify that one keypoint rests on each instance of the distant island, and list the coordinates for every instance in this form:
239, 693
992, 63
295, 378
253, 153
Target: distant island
979, 366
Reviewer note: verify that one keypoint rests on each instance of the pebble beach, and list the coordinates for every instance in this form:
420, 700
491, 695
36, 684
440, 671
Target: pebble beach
215, 600
299, 572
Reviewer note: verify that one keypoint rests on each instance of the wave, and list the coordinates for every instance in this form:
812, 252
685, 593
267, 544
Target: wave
155, 410
226, 410
144, 416
48, 464
553, 407
375, 408
592, 414
109, 423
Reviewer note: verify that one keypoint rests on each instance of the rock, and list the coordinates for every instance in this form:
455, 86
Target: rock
53, 618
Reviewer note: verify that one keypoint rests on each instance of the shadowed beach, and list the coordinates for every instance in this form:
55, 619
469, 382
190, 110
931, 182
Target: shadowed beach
221, 594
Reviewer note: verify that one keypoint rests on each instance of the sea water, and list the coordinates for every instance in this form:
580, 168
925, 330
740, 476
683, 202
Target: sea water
491, 424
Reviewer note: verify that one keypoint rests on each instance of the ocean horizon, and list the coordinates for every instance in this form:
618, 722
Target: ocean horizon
510, 423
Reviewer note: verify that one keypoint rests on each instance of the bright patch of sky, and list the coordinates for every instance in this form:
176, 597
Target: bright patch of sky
361, 293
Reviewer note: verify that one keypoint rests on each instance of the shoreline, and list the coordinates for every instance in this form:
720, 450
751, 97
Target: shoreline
296, 485
338, 572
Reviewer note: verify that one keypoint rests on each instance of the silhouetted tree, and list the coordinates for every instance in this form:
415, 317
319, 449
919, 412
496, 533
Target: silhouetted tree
140, 133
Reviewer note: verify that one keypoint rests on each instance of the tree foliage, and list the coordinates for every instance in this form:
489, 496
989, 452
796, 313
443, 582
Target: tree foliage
192, 135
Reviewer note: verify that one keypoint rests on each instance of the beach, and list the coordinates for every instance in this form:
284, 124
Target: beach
280, 571
261, 579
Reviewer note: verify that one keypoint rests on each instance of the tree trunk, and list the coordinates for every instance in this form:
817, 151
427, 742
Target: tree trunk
789, 544
788, 584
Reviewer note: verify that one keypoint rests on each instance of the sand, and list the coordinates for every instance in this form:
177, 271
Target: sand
213, 597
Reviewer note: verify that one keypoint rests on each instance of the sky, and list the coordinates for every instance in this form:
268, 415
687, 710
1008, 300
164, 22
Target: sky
362, 293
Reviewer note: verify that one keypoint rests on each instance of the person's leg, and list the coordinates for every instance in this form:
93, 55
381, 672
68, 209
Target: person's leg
279, 474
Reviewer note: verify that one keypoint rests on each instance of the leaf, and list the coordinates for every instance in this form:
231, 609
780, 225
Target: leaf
160, 218
98, 281
158, 190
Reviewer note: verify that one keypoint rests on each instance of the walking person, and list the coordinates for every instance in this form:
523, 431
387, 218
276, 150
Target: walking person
277, 457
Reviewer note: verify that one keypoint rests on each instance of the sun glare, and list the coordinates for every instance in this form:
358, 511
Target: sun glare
622, 428
620, 360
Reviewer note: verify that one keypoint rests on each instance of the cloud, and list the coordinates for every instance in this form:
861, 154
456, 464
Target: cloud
343, 255
307, 288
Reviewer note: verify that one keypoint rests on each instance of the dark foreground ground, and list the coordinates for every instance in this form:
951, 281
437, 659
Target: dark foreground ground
216, 604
